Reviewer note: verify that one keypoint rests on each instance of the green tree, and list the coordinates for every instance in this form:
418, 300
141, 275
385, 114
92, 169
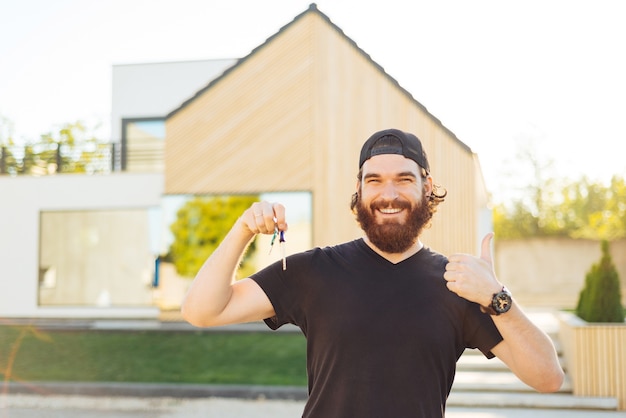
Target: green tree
514, 222
80, 150
597, 211
526, 214
29, 162
600, 298
583, 209
74, 148
200, 226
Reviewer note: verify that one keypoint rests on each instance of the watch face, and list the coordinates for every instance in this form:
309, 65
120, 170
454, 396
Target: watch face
502, 302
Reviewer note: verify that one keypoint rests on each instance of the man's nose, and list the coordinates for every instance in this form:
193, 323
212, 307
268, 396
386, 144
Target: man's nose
389, 191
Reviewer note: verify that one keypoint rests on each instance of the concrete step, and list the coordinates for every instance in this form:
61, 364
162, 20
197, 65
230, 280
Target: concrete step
478, 362
562, 401
475, 360
489, 381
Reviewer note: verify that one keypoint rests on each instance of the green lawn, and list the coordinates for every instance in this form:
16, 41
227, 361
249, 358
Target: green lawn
27, 354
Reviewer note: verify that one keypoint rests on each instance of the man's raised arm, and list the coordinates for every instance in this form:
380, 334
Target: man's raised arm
525, 349
214, 297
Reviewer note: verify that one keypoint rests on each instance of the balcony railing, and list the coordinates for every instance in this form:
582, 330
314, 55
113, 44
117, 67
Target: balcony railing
41, 159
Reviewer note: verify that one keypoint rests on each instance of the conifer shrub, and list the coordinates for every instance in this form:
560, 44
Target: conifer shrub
600, 299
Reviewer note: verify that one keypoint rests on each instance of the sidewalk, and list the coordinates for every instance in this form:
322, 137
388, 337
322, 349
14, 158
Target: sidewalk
178, 398
32, 406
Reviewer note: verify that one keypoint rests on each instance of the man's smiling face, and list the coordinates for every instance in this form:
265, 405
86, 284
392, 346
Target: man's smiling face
392, 207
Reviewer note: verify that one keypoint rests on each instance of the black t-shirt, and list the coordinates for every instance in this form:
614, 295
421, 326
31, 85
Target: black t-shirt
383, 339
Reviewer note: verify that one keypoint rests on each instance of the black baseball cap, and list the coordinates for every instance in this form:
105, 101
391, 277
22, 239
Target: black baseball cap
394, 141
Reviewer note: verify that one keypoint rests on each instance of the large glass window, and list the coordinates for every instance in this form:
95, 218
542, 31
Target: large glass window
95, 258
298, 206
143, 143
172, 284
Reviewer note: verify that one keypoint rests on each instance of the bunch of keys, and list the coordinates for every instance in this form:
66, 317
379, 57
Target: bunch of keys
281, 243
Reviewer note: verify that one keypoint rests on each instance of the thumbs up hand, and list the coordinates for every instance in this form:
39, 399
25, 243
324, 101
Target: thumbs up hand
471, 277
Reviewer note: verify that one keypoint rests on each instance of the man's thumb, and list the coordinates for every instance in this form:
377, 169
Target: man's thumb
485, 252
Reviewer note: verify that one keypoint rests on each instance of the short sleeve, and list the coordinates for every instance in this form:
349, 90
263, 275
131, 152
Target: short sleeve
285, 288
480, 331
270, 281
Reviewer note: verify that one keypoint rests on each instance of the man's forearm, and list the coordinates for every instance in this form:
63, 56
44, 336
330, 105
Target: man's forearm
211, 290
528, 351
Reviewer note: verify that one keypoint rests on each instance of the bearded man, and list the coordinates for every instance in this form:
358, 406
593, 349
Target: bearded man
385, 317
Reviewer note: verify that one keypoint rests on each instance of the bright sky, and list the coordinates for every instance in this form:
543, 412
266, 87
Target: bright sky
499, 74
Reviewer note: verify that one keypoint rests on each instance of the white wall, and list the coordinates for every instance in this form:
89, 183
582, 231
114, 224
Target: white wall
21, 201
156, 89
550, 271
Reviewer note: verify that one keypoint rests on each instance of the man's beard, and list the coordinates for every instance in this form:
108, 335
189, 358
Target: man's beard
390, 236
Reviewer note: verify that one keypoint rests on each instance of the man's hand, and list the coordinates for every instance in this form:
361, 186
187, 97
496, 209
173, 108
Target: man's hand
263, 217
471, 277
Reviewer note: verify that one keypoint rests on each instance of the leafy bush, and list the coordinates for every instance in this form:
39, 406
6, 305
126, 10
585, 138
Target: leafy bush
600, 298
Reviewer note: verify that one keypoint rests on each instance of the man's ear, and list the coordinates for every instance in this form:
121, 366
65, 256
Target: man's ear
428, 185
355, 197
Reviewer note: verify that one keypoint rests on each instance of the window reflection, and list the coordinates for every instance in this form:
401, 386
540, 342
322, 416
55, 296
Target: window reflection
95, 258
143, 144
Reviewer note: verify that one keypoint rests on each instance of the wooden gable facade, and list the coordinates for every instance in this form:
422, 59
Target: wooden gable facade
292, 116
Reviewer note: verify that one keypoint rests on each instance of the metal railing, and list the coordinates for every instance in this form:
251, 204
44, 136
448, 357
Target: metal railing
46, 158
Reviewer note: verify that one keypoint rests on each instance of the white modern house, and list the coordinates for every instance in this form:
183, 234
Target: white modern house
84, 246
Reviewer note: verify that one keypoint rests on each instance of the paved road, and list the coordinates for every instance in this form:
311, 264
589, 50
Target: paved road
33, 406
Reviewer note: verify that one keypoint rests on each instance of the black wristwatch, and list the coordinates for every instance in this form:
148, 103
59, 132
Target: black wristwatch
501, 302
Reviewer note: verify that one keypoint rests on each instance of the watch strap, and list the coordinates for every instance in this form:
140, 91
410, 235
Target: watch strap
490, 309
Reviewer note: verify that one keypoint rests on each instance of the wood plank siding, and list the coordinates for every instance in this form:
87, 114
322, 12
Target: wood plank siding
292, 116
